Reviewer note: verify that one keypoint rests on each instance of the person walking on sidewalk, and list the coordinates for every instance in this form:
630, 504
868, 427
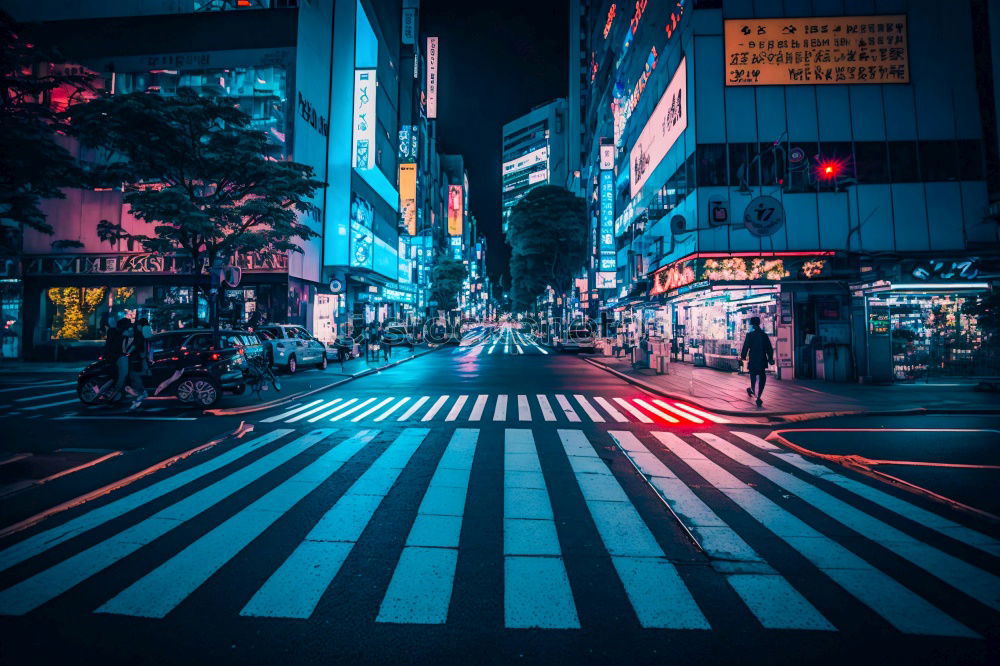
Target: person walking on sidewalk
758, 353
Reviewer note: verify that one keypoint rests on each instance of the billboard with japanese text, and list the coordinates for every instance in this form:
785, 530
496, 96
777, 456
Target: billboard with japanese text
813, 51
455, 208
664, 127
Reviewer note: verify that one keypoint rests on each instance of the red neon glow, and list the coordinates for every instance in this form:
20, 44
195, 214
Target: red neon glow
830, 169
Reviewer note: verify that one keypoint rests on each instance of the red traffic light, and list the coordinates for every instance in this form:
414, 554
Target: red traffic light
830, 169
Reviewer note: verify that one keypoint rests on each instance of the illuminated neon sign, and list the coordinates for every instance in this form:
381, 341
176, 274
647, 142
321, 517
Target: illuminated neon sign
611, 19
622, 110
674, 19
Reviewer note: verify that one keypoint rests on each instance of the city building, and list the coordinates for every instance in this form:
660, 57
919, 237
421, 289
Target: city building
308, 73
534, 153
825, 171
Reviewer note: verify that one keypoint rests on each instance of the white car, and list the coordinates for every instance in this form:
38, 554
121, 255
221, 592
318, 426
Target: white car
291, 346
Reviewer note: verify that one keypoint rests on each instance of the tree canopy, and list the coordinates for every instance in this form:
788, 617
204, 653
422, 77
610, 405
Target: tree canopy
449, 276
547, 232
33, 164
197, 172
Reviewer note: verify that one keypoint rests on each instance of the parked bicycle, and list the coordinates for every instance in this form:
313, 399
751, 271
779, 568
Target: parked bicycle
260, 377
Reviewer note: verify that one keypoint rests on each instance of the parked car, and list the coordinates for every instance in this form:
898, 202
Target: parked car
576, 339
290, 346
186, 365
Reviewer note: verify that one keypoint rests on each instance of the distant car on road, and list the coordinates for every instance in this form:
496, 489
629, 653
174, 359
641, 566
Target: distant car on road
576, 339
291, 346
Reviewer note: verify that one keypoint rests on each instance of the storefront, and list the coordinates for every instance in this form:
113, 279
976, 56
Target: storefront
921, 331
70, 301
702, 306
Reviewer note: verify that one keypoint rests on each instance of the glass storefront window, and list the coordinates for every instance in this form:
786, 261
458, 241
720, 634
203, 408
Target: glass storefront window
261, 92
929, 335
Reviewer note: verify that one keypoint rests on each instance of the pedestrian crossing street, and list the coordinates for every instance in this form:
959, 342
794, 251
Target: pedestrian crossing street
524, 408
732, 492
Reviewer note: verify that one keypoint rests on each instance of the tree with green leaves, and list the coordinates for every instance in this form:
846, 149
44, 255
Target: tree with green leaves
448, 279
198, 174
547, 232
34, 165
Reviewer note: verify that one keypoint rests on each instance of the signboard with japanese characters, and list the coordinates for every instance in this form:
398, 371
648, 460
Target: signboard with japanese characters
432, 77
363, 156
814, 51
606, 242
665, 125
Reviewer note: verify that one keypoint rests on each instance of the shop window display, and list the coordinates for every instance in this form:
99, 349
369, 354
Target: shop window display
84, 313
930, 336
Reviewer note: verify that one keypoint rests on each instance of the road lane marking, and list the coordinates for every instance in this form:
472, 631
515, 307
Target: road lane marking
54, 581
334, 406
588, 409
47, 405
536, 586
500, 411
478, 407
41, 542
291, 412
456, 409
523, 409
653, 410
435, 407
384, 415
772, 600
910, 511
421, 586
371, 410
615, 414
46, 395
413, 408
653, 585
318, 408
702, 413
567, 408
684, 415
632, 410
165, 587
348, 412
546, 408
970, 580
52, 383
297, 586
900, 607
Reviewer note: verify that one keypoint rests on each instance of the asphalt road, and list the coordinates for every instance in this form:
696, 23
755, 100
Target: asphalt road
495, 503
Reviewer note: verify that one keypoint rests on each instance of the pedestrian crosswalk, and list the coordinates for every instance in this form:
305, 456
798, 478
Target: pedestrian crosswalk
503, 341
734, 493
503, 407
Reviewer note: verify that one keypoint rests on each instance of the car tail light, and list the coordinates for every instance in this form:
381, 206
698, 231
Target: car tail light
241, 351
214, 356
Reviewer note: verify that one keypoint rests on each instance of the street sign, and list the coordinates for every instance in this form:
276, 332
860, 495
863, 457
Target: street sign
764, 216
336, 286
232, 275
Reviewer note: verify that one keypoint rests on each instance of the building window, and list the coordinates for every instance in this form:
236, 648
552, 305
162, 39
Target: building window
712, 165
970, 159
938, 160
871, 161
903, 165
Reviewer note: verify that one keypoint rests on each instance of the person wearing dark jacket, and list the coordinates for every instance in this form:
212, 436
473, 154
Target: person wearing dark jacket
758, 353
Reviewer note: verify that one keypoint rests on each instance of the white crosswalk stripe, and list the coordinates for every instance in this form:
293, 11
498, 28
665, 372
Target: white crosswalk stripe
576, 408
248, 497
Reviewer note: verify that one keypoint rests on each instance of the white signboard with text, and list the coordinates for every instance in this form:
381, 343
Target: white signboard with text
432, 77
664, 127
363, 132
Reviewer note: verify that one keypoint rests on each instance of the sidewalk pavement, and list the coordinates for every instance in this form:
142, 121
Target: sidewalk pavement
725, 393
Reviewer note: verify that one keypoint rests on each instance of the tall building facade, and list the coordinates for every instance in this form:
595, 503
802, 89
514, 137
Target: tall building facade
307, 72
534, 153
822, 169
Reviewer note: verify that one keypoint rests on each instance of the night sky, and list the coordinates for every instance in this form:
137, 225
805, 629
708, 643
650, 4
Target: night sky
497, 61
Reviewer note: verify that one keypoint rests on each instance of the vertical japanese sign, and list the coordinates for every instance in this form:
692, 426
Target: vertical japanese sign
363, 136
607, 156
409, 25
455, 210
408, 197
812, 51
607, 263
432, 77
